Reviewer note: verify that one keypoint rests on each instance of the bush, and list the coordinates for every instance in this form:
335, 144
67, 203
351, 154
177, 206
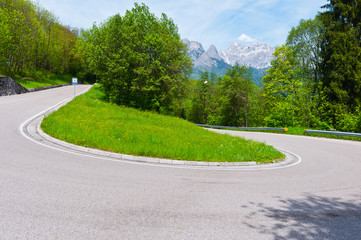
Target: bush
348, 122
283, 114
358, 125
319, 125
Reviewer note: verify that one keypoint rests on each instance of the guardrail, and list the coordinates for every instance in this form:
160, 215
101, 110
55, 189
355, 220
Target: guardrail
347, 134
244, 128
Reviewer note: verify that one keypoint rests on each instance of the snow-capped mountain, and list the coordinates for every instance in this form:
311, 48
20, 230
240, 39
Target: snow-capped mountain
195, 49
257, 56
209, 60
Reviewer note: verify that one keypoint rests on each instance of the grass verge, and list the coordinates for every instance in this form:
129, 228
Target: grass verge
91, 122
43, 82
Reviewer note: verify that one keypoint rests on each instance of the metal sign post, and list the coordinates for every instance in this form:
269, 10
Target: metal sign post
74, 82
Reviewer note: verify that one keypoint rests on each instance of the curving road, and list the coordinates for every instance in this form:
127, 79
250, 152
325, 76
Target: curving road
51, 194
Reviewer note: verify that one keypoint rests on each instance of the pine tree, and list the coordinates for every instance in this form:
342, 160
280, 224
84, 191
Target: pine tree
341, 54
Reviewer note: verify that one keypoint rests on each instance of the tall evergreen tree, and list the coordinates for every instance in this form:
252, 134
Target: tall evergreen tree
236, 88
341, 54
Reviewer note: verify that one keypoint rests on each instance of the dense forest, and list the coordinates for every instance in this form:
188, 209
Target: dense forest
34, 44
140, 60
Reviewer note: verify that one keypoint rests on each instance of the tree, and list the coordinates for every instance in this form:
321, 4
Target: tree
32, 40
140, 60
283, 89
305, 41
4, 39
341, 57
203, 100
236, 89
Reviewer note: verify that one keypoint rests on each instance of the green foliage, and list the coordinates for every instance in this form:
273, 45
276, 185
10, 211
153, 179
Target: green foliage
341, 58
348, 122
305, 41
236, 88
314, 80
140, 60
284, 114
282, 88
130, 131
229, 101
203, 101
39, 79
33, 40
283, 79
257, 75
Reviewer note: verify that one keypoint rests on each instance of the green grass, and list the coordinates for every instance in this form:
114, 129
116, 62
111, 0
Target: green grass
43, 82
91, 122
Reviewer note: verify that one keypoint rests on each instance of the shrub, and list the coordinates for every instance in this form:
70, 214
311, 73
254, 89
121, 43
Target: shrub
347, 122
283, 114
319, 125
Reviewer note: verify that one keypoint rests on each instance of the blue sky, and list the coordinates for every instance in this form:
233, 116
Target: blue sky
218, 22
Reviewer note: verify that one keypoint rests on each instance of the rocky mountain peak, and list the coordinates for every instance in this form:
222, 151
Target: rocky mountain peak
186, 41
195, 49
257, 55
213, 53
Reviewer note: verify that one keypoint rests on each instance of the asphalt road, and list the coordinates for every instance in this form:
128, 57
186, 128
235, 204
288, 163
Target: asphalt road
51, 194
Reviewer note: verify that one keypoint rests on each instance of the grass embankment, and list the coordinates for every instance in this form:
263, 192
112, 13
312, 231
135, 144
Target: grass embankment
91, 122
43, 82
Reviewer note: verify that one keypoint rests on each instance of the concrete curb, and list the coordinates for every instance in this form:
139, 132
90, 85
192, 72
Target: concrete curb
133, 158
291, 159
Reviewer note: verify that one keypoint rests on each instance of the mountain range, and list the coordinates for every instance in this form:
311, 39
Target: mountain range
258, 56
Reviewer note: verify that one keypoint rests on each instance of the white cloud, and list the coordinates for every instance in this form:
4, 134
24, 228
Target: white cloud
247, 39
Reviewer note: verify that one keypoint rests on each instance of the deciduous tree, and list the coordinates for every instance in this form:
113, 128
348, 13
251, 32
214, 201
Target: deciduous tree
140, 59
